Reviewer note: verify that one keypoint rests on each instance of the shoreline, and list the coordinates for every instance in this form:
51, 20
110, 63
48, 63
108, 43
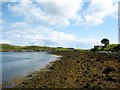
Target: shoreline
73, 69
14, 82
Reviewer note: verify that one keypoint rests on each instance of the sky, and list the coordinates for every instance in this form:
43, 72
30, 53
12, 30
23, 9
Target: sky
59, 23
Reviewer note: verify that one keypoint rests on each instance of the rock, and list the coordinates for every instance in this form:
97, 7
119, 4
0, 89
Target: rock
46, 77
95, 75
97, 59
77, 80
96, 87
108, 69
102, 61
77, 61
91, 57
65, 78
116, 57
69, 56
60, 61
108, 78
24, 83
51, 68
29, 75
87, 85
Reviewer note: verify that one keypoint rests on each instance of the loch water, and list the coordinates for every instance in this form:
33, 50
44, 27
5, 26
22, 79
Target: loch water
19, 64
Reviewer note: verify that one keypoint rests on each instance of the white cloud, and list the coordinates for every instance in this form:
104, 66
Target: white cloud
98, 10
4, 41
2, 21
54, 13
62, 12
35, 35
19, 25
43, 36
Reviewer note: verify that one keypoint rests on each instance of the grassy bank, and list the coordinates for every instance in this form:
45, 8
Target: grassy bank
109, 47
77, 70
12, 48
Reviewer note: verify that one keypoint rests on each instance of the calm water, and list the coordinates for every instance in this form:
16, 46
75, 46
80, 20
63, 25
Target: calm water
17, 64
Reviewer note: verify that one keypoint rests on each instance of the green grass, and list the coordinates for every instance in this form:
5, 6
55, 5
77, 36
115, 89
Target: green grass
7, 47
109, 47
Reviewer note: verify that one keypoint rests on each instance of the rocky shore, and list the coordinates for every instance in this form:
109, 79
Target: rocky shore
77, 69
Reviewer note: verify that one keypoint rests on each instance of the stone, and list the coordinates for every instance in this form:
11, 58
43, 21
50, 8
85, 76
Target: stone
29, 75
87, 85
97, 59
77, 61
108, 69
51, 68
108, 78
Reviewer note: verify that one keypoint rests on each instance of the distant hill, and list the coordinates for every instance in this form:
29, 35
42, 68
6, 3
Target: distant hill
12, 48
7, 48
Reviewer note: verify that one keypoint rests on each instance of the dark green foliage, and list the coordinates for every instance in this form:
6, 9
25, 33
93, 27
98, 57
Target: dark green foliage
105, 41
96, 48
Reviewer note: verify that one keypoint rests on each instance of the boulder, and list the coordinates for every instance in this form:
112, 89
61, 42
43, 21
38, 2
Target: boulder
108, 78
108, 69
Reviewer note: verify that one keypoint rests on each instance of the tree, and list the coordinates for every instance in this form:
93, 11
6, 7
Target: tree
105, 41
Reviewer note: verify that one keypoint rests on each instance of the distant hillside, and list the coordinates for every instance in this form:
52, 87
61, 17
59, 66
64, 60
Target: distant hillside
7, 47
11, 48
